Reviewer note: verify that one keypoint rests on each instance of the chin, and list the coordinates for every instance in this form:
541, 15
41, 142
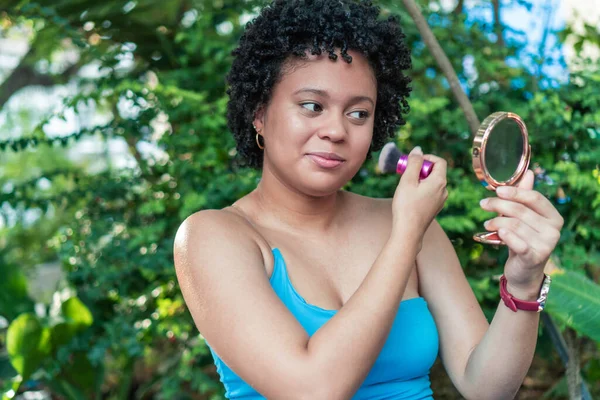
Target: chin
319, 185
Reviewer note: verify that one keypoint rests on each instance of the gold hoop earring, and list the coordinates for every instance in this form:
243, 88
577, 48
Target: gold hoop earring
258, 142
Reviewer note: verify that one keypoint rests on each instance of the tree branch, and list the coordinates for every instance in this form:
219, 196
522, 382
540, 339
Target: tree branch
497, 23
444, 64
459, 7
25, 75
573, 368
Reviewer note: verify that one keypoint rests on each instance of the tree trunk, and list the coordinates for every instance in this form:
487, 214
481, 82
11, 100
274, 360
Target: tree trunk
498, 23
573, 369
459, 7
444, 64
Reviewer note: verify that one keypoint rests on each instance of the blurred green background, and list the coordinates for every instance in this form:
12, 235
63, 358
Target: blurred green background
113, 131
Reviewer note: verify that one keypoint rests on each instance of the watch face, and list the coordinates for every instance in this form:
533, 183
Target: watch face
544, 292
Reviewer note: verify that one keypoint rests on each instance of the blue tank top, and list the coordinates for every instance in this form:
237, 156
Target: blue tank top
401, 370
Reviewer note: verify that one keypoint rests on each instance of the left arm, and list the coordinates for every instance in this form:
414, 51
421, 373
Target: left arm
490, 361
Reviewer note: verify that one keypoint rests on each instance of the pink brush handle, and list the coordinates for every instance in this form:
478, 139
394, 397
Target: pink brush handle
425, 169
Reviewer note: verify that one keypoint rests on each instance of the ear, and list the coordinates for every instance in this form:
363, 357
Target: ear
259, 117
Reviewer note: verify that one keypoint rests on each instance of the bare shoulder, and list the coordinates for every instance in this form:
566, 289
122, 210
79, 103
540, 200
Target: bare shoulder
200, 228
207, 221
207, 240
216, 231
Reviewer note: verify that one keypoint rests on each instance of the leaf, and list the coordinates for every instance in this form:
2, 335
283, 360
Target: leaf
14, 299
80, 372
61, 386
28, 343
62, 333
75, 311
77, 378
575, 300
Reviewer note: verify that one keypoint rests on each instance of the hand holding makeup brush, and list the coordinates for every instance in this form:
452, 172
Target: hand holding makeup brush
416, 202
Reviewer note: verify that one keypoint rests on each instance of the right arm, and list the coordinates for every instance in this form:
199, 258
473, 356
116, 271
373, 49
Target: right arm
220, 269
222, 277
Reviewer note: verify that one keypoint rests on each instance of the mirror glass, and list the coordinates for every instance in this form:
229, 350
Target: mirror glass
504, 150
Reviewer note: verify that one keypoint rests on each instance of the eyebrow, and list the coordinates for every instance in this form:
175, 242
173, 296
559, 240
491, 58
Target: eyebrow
324, 93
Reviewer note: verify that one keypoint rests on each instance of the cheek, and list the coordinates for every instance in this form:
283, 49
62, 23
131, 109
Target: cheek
284, 129
294, 134
364, 142
289, 145
299, 133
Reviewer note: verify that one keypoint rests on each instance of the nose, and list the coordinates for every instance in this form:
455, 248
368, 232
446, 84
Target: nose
334, 128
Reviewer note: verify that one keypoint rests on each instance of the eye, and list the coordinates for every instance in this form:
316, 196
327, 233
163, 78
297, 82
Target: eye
365, 114
318, 108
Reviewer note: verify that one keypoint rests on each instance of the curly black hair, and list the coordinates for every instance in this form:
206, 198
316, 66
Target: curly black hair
286, 28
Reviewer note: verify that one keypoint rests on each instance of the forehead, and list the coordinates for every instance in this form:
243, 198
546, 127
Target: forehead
334, 76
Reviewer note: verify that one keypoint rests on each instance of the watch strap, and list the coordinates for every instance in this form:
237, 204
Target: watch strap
516, 304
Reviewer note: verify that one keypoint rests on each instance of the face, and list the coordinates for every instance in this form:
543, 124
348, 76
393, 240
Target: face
319, 105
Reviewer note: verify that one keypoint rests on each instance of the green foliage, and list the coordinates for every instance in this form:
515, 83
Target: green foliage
34, 342
575, 301
14, 299
127, 333
76, 313
28, 344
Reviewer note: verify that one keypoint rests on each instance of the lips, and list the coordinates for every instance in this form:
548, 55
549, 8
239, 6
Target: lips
327, 155
326, 162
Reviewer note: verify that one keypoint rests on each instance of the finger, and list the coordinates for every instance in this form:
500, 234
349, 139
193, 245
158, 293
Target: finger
514, 242
527, 181
413, 167
513, 209
433, 158
533, 200
512, 224
543, 241
440, 165
437, 176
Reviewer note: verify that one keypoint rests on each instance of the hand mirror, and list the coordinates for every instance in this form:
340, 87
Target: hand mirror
501, 154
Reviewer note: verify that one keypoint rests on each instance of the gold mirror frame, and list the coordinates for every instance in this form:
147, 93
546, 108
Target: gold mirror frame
480, 167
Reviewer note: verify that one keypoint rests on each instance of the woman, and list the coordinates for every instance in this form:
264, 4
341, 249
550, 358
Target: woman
304, 290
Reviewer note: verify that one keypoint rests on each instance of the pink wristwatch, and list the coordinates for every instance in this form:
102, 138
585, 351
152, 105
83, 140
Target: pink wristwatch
516, 304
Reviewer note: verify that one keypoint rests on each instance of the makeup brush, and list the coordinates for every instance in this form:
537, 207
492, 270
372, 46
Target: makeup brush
392, 161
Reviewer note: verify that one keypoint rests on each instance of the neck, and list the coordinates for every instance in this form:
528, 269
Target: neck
297, 211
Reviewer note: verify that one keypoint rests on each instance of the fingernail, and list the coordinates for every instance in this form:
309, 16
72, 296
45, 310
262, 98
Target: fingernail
483, 202
485, 224
417, 150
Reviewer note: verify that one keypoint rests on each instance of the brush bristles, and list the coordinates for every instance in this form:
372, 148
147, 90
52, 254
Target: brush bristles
388, 158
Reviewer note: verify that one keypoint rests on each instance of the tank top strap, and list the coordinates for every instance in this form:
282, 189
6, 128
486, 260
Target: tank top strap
279, 275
